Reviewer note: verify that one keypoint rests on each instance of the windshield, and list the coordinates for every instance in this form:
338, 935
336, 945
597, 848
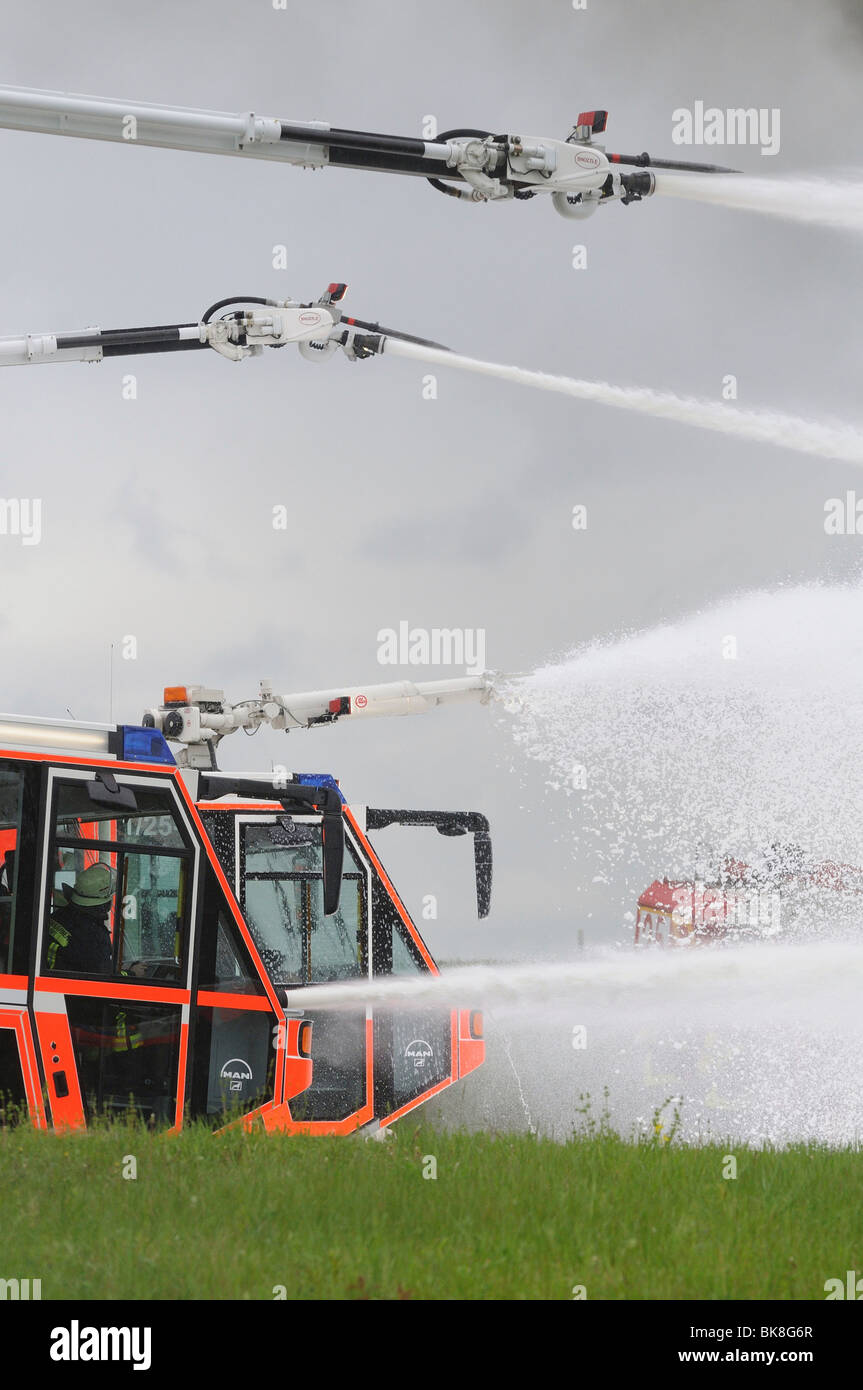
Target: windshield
282, 898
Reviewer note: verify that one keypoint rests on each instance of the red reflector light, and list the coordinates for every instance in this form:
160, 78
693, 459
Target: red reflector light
341, 705
597, 120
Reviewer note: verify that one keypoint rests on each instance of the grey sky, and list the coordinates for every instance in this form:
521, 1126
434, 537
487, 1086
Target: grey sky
157, 512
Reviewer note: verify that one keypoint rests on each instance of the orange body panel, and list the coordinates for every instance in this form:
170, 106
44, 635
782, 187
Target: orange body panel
181, 1079
58, 1061
16, 1018
471, 1048
299, 1068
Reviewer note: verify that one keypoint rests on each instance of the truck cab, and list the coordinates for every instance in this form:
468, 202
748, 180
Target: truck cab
229, 902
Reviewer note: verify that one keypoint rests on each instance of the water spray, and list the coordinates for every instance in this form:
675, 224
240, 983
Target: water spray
320, 328
834, 441
832, 203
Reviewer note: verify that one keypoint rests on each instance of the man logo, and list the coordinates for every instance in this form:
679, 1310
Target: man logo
420, 1052
237, 1073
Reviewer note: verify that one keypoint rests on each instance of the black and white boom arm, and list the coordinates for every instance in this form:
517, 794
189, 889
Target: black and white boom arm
473, 165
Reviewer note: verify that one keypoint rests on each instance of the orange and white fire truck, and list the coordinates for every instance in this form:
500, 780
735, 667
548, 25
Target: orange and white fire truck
229, 899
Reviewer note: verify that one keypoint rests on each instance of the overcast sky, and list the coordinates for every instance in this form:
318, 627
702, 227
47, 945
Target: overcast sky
157, 512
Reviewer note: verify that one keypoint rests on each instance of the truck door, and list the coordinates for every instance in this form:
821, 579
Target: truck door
236, 1059
20, 1087
415, 1048
117, 903
420, 1050
19, 1073
280, 890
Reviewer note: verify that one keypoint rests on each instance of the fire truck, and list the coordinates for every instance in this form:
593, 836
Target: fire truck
781, 891
232, 897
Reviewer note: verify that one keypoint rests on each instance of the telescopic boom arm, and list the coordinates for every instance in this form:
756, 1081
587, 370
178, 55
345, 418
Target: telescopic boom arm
317, 329
469, 164
198, 717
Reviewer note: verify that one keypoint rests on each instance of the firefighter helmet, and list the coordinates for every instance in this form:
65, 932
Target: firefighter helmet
94, 887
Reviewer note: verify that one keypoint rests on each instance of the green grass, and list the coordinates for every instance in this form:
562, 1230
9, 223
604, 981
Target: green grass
508, 1217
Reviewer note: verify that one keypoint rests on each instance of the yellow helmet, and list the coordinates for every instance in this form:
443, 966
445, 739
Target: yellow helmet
94, 887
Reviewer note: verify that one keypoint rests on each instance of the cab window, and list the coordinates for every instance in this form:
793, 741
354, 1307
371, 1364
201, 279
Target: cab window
394, 950
11, 793
119, 885
225, 965
283, 902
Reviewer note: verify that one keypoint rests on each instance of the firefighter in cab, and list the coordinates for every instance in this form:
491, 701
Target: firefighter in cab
79, 941
78, 935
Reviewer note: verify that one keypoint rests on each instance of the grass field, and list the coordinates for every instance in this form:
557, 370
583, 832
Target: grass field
236, 1216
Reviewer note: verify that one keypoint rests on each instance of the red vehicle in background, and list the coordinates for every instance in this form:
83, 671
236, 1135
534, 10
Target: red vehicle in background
745, 901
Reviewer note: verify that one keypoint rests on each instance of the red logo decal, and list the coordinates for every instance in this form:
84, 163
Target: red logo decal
361, 701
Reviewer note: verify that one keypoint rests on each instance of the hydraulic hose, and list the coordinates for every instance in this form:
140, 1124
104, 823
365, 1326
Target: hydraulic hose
234, 299
468, 134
